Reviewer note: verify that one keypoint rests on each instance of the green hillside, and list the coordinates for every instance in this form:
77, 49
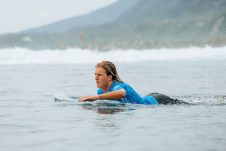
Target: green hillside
148, 24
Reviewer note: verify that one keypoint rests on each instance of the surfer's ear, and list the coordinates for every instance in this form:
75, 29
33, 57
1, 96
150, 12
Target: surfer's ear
110, 77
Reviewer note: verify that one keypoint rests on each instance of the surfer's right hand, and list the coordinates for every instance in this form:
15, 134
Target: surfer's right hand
88, 98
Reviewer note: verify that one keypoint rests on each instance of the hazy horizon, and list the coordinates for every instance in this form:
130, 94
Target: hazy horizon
38, 13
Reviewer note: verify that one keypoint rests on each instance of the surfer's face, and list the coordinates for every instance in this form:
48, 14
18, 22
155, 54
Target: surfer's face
103, 81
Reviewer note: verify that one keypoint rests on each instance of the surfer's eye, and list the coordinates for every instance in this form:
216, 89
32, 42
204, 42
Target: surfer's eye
97, 74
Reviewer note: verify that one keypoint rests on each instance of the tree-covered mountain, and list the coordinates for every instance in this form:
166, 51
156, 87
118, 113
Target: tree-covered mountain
98, 17
142, 24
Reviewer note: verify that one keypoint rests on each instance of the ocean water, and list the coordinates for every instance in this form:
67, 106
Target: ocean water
31, 118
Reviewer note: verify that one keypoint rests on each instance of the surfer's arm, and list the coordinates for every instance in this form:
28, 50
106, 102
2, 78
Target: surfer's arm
114, 95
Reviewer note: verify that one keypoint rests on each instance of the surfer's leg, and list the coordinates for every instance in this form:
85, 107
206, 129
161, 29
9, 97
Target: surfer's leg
164, 99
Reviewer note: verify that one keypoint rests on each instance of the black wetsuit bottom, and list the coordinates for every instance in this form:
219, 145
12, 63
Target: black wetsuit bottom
166, 100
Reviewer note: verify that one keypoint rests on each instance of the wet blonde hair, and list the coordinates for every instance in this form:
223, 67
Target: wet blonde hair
110, 69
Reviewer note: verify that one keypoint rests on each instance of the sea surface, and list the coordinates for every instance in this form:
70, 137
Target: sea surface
39, 108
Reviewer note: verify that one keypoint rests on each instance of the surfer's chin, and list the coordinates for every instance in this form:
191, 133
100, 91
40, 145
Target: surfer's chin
98, 86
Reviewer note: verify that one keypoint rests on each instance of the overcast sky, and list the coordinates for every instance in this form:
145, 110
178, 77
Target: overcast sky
17, 15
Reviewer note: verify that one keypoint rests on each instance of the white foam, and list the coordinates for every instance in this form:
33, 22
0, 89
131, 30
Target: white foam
75, 55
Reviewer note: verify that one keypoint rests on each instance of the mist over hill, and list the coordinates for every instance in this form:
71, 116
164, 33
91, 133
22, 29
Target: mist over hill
137, 24
98, 17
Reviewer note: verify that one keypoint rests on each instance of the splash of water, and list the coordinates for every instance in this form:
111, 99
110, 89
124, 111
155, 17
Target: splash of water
76, 56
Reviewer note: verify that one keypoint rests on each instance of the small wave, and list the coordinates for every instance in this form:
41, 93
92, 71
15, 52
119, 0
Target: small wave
76, 55
190, 99
204, 99
111, 107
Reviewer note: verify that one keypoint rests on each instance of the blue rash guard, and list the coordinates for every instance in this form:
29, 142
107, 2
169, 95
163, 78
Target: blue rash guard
131, 95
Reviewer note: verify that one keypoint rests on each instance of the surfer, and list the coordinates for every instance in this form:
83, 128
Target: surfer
111, 87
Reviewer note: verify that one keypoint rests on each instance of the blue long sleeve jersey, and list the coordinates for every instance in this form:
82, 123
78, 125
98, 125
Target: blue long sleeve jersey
131, 95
